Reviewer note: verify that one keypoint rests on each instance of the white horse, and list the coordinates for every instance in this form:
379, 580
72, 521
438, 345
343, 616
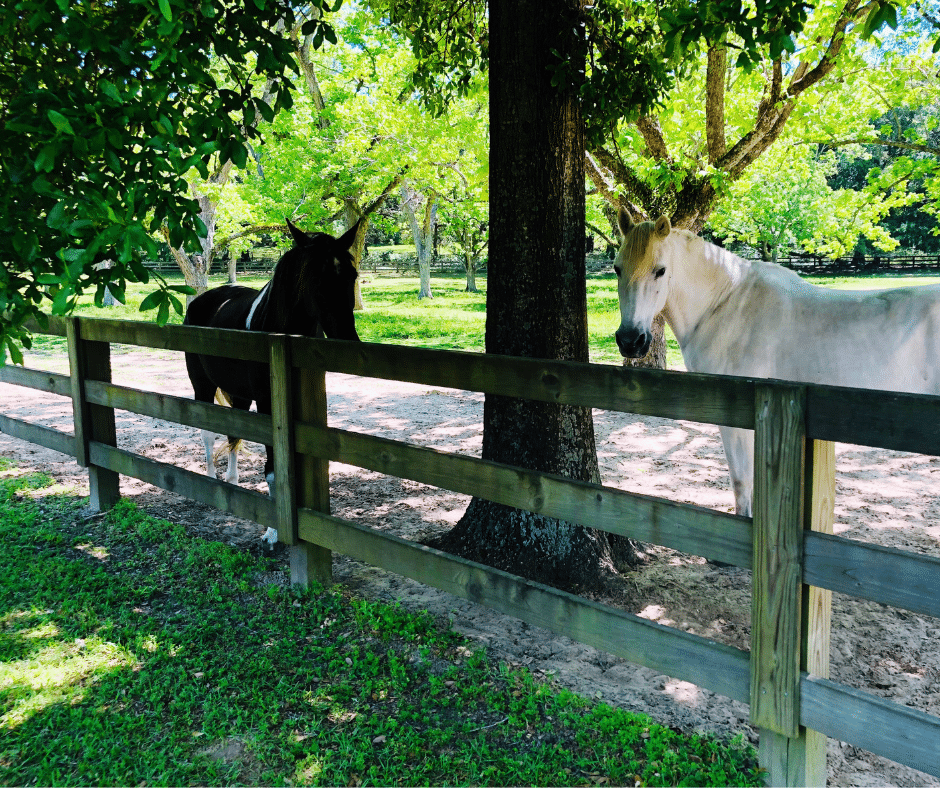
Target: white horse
741, 317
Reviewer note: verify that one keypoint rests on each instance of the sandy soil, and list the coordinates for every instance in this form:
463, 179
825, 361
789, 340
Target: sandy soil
888, 498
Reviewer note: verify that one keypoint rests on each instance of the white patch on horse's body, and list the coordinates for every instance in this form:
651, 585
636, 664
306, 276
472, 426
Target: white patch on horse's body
254, 305
738, 317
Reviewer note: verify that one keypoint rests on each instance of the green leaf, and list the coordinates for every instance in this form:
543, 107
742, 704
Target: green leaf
152, 301
16, 355
110, 91
166, 10
56, 218
163, 313
60, 122
117, 291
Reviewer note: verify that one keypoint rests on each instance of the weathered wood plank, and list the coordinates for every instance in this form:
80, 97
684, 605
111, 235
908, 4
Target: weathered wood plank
246, 504
91, 361
713, 399
41, 380
227, 343
55, 327
715, 666
225, 421
807, 753
902, 422
282, 402
310, 560
777, 580
36, 433
692, 529
869, 571
902, 734
906, 422
80, 417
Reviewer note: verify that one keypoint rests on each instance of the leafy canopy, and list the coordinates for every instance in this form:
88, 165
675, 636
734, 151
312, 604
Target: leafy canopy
104, 107
631, 53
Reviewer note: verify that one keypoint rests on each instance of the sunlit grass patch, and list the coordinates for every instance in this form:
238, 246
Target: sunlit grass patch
58, 673
172, 663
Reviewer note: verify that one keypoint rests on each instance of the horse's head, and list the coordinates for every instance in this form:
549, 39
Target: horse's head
320, 283
643, 275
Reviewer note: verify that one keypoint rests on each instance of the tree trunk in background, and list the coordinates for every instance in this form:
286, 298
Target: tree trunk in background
353, 214
469, 264
421, 211
536, 295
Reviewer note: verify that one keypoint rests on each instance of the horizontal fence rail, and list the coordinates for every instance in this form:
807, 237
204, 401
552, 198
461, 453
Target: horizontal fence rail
820, 560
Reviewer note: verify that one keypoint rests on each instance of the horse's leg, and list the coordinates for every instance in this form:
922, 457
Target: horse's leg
208, 440
203, 391
234, 443
739, 451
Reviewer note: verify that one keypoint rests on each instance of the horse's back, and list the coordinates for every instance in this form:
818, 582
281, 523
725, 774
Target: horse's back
778, 326
204, 309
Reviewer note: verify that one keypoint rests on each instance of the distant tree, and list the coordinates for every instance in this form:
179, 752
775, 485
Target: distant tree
785, 202
104, 109
356, 134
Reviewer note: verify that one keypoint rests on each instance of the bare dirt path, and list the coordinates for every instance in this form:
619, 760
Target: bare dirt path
883, 497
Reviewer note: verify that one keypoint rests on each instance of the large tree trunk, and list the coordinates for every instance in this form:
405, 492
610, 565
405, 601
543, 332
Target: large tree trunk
536, 295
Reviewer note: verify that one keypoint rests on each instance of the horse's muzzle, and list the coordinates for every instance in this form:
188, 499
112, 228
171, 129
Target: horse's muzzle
633, 343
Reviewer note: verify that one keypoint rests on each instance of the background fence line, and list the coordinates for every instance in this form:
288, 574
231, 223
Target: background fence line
795, 560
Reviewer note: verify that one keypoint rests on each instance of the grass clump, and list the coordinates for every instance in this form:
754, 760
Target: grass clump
131, 654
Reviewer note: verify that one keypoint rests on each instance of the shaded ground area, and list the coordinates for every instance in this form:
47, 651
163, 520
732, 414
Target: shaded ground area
883, 497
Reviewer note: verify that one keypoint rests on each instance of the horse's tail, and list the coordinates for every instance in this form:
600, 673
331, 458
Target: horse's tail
225, 400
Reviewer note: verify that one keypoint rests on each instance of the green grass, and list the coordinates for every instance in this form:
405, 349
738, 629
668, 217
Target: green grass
132, 654
454, 319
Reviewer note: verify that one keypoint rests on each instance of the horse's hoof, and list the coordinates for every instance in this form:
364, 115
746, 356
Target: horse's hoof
270, 537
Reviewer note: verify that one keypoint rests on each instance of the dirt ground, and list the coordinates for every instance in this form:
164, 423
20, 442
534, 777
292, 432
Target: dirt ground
888, 498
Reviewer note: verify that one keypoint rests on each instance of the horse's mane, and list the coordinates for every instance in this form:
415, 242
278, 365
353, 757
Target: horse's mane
635, 250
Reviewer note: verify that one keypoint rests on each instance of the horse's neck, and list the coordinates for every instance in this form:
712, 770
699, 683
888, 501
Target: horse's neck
703, 276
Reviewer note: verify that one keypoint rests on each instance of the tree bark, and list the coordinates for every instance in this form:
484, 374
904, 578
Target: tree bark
353, 215
536, 295
469, 262
421, 211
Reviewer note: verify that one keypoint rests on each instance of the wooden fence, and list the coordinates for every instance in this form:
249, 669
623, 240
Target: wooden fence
795, 560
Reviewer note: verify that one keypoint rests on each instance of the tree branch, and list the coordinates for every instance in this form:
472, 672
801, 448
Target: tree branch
638, 191
887, 143
715, 103
653, 137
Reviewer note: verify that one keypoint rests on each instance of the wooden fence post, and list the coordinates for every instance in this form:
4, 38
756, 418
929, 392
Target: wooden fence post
310, 562
90, 360
284, 488
819, 516
777, 602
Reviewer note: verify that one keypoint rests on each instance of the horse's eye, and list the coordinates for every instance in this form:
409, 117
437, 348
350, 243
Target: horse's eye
617, 270
658, 273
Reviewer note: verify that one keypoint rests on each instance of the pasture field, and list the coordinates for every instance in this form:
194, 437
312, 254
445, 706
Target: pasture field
133, 654
455, 319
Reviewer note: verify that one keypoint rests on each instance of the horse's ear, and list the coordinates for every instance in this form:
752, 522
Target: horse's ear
348, 238
624, 221
299, 236
663, 226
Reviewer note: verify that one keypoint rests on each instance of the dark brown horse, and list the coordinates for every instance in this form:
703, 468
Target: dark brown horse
311, 293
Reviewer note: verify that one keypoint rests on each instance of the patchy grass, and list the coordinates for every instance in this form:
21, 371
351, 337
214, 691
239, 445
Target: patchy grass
132, 654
